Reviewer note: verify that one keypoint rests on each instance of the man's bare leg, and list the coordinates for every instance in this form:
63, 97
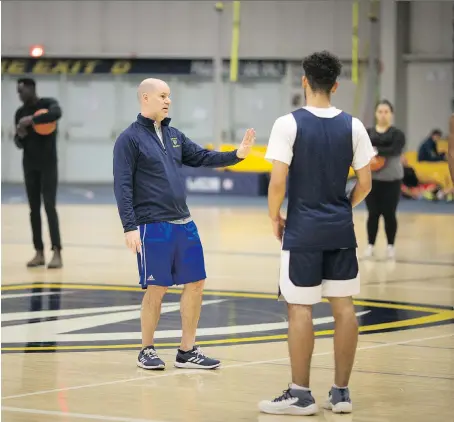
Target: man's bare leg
151, 313
300, 342
298, 399
345, 338
189, 356
345, 341
190, 308
149, 318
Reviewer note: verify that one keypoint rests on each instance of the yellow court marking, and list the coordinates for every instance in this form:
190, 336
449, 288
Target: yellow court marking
438, 315
211, 293
414, 322
131, 289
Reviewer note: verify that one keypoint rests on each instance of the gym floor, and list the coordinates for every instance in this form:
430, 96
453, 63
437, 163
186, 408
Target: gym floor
70, 337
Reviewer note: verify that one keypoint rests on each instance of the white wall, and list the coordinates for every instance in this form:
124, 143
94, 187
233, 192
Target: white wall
429, 100
430, 69
432, 28
270, 29
172, 28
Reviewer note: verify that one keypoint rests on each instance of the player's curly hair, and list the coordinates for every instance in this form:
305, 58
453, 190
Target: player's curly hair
322, 70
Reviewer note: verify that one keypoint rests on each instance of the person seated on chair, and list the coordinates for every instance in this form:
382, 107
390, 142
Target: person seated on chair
428, 149
413, 187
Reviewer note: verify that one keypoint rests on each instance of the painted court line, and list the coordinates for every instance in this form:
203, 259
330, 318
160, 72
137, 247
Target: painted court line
238, 365
74, 415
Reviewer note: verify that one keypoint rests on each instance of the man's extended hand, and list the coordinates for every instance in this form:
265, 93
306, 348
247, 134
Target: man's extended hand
133, 242
278, 227
246, 144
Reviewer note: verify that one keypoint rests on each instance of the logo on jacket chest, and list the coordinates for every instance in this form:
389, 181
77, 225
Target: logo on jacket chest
175, 143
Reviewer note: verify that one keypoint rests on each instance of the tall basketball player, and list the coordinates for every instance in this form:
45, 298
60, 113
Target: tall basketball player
314, 147
40, 165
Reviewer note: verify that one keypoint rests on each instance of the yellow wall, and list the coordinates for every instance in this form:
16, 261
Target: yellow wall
256, 163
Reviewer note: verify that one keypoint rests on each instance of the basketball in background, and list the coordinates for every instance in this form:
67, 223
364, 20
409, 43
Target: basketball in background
44, 128
377, 163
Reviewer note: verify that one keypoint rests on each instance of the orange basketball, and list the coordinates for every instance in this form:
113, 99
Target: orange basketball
44, 128
377, 163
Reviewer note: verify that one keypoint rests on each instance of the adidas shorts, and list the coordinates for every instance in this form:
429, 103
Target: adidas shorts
172, 254
306, 277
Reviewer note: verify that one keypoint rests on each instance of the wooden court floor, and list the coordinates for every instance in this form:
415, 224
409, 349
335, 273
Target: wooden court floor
70, 337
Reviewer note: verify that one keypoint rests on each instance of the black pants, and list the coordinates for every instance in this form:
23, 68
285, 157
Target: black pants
43, 183
382, 201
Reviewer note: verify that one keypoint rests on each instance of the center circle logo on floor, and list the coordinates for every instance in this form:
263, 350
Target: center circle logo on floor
71, 317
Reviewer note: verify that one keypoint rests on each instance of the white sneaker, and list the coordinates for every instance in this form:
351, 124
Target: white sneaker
292, 402
391, 252
369, 252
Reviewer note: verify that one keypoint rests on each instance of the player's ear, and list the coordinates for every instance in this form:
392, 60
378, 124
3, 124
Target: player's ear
304, 82
334, 88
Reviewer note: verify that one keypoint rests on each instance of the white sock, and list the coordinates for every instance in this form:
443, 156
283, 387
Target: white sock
298, 387
339, 388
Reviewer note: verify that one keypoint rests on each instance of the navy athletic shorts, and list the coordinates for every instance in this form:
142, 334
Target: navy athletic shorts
172, 254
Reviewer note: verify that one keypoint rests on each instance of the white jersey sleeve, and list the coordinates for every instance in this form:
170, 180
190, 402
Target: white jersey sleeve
282, 138
363, 151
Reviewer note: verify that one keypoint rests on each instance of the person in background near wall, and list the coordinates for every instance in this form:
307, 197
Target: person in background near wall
428, 149
451, 147
389, 142
40, 167
297, 101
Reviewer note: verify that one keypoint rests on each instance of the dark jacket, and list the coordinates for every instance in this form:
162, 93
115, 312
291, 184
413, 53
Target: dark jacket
148, 183
428, 151
39, 150
390, 143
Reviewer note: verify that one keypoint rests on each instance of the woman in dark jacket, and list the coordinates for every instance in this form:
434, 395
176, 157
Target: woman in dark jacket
383, 199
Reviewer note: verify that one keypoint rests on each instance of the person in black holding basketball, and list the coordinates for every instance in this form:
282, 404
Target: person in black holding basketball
40, 166
389, 141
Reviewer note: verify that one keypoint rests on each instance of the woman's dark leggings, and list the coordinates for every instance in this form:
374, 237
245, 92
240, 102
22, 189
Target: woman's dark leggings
382, 201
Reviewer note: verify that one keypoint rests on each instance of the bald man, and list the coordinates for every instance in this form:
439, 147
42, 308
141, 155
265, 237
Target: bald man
151, 200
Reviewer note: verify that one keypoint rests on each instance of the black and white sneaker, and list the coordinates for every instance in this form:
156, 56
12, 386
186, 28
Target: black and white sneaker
339, 401
292, 402
195, 359
149, 359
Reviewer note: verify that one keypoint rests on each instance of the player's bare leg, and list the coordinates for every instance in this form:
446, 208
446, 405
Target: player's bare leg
298, 399
300, 342
345, 338
345, 342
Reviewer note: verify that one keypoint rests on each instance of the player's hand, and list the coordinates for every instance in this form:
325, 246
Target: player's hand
25, 121
246, 144
21, 131
278, 227
133, 242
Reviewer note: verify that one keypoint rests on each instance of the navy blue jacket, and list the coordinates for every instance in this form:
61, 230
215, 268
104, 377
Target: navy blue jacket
148, 183
428, 151
319, 215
